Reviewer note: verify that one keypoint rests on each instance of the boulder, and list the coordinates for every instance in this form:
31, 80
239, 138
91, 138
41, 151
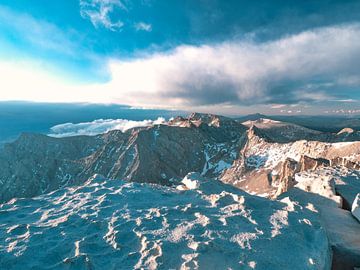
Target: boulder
340, 225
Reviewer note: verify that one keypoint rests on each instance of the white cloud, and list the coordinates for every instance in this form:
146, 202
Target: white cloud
99, 12
278, 106
141, 26
31, 80
241, 72
100, 126
309, 66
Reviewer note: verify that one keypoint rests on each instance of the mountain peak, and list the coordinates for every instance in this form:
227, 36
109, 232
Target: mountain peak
209, 119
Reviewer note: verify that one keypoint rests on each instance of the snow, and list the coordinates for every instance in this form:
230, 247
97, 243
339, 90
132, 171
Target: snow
262, 121
218, 157
269, 155
339, 145
107, 223
278, 220
316, 192
189, 182
266, 155
222, 165
244, 239
318, 183
355, 209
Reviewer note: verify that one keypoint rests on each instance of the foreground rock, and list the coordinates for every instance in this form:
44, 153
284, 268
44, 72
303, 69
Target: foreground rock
117, 225
317, 191
348, 186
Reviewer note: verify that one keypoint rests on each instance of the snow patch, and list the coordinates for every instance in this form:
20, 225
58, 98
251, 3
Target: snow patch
189, 182
355, 210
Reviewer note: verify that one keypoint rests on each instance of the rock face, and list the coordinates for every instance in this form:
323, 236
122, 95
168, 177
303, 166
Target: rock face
114, 224
287, 176
308, 163
355, 210
341, 161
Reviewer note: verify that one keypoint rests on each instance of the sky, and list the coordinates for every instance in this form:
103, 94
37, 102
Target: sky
227, 57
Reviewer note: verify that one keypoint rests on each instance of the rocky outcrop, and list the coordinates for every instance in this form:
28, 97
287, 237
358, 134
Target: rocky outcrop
261, 158
307, 163
286, 178
348, 187
341, 161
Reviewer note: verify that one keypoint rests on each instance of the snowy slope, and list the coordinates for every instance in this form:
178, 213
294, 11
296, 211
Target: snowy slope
117, 225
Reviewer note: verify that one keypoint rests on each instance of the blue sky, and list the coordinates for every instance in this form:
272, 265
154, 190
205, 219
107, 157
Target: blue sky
208, 55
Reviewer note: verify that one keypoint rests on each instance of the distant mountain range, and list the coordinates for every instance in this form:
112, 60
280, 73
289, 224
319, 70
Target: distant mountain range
324, 123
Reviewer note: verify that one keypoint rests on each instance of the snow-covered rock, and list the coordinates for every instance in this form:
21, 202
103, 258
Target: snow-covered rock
190, 181
348, 186
323, 185
355, 209
316, 191
112, 224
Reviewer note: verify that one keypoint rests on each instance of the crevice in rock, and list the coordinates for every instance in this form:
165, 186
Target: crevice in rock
345, 204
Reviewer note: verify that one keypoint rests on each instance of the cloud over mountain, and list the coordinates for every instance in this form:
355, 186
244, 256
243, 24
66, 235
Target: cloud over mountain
99, 126
310, 66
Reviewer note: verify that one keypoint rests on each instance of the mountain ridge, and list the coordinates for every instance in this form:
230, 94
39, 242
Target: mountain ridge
161, 153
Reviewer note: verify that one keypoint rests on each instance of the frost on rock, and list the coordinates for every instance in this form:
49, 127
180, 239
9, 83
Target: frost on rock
106, 223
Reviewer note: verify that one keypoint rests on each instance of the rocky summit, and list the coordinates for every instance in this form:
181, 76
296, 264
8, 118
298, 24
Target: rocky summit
105, 224
197, 192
